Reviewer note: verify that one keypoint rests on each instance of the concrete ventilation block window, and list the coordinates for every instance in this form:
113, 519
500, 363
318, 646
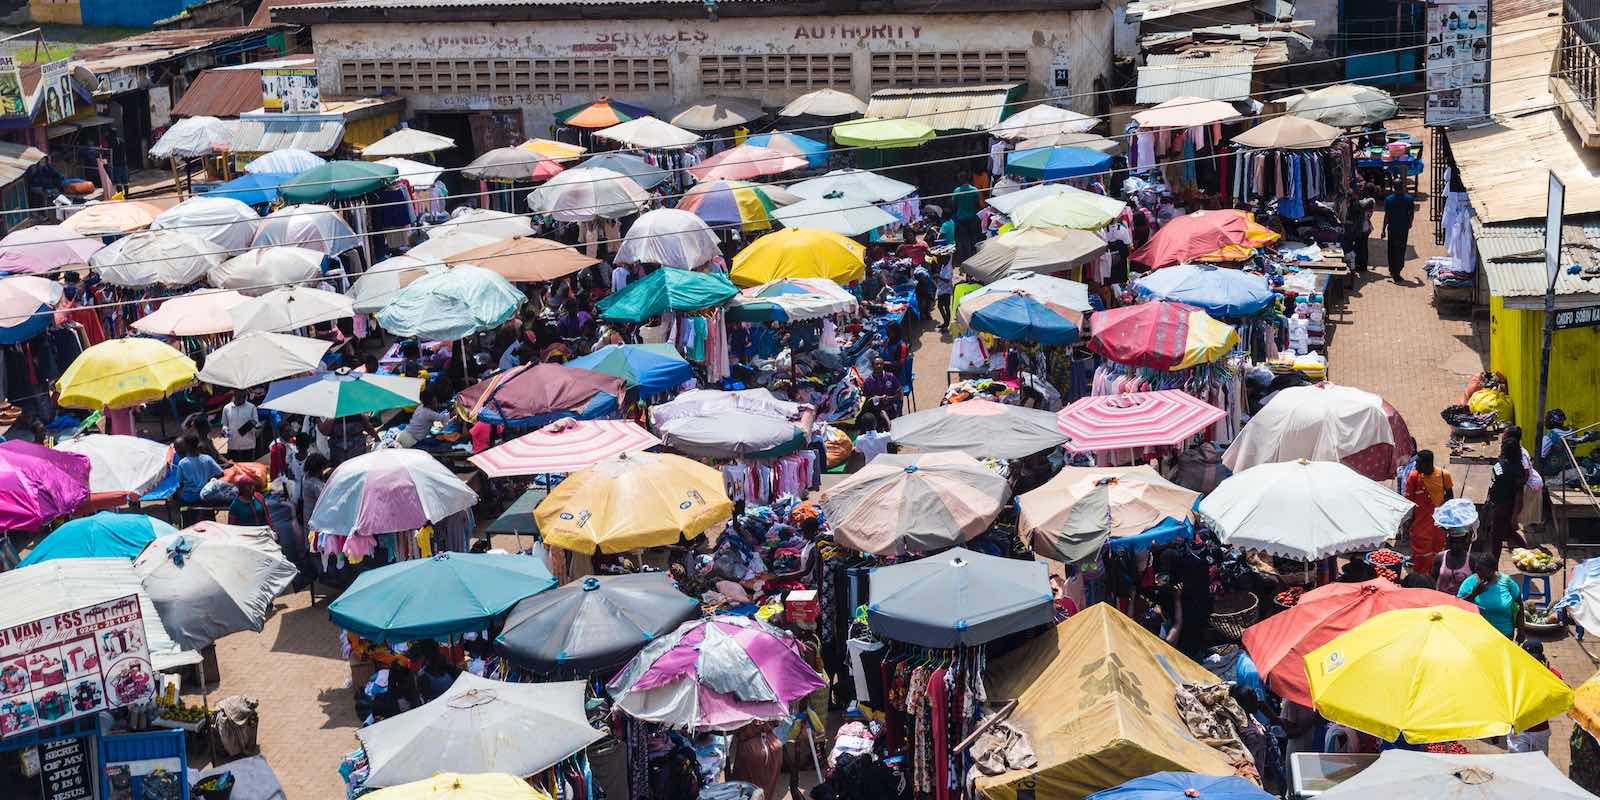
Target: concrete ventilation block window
949, 68
775, 71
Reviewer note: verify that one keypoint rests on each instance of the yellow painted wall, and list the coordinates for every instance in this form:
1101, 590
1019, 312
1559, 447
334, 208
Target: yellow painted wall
1514, 342
59, 12
363, 132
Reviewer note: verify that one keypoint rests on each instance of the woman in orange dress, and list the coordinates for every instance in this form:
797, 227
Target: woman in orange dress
1428, 486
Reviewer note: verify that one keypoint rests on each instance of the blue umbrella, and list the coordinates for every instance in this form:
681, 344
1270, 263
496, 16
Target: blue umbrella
104, 535
813, 151
254, 189
1055, 163
1219, 291
28, 327
429, 598
1019, 317
650, 368
1174, 785
644, 173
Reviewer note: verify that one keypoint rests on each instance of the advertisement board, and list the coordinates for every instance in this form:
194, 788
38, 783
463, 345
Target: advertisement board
72, 664
59, 99
1457, 53
292, 91
12, 101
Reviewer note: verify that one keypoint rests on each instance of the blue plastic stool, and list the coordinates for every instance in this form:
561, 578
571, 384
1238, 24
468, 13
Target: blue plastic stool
1528, 593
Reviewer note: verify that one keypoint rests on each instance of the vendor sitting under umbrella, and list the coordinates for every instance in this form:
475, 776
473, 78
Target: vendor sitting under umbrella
882, 392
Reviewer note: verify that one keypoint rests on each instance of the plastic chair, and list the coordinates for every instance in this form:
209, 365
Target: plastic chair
1542, 594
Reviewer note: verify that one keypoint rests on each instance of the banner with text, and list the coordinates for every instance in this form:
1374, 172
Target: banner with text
12, 101
59, 101
72, 664
1458, 62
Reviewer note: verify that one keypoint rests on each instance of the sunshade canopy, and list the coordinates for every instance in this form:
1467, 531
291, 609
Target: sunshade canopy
714, 113
511, 164
1065, 207
670, 237
914, 503
444, 595
289, 308
408, 142
959, 598
208, 586
156, 258
632, 501
814, 152
457, 786
1289, 133
748, 205
1334, 510
854, 184
790, 300
1184, 785
126, 465
587, 193
1032, 250
1325, 422
650, 369
223, 221
252, 188
1028, 307
26, 306
882, 134
746, 162
451, 305
289, 161
256, 272
337, 180
342, 393
376, 287
419, 174
387, 491
1069, 523
1185, 112
837, 214
1224, 235
1218, 291
1095, 142
122, 373
1160, 335
316, 227
1345, 105
666, 290
1042, 120
642, 172
595, 623
1504, 776
649, 133
978, 428
104, 535
262, 357
40, 249
532, 395
799, 253
1055, 163
824, 103
112, 219
482, 222
1135, 420
201, 312
564, 446
525, 259
602, 113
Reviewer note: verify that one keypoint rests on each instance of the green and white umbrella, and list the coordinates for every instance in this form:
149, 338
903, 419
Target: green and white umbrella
341, 394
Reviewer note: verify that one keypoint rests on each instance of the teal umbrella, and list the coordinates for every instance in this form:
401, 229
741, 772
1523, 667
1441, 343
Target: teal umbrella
451, 305
430, 598
104, 535
650, 368
337, 180
667, 290
343, 393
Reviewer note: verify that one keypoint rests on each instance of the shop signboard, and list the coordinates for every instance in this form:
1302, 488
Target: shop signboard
1457, 53
12, 101
72, 664
1581, 317
291, 91
66, 769
59, 100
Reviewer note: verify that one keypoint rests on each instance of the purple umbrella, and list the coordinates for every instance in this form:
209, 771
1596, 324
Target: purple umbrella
45, 248
716, 674
38, 484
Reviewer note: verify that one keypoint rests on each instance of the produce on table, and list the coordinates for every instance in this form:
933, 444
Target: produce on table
1385, 558
1535, 560
1290, 596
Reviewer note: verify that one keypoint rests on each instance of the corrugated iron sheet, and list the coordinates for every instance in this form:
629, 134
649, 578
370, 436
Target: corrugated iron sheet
152, 46
944, 108
15, 160
221, 93
1213, 76
1513, 260
264, 136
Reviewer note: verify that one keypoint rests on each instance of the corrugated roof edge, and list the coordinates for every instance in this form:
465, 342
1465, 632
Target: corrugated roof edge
527, 10
1512, 257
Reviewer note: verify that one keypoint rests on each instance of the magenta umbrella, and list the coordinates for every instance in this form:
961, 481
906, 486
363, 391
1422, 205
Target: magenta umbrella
716, 674
39, 484
45, 248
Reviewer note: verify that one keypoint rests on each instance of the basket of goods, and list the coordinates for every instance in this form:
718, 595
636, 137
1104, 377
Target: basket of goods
1539, 619
1232, 613
1540, 560
1386, 558
1289, 597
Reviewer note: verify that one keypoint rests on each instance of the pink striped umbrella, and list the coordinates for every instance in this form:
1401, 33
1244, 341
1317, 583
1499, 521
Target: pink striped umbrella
1134, 420
564, 446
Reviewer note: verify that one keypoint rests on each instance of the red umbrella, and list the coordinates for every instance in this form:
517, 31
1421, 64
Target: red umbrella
1160, 335
1226, 235
1134, 420
1279, 644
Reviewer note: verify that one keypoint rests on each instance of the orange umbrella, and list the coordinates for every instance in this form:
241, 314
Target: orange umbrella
602, 113
1227, 235
111, 218
525, 258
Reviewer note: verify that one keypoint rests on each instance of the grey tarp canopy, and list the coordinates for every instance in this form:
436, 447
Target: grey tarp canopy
595, 623
959, 598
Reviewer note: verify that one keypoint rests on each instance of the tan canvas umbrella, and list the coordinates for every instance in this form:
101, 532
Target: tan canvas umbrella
525, 258
1092, 141
914, 502
1042, 120
1136, 499
407, 142
1033, 250
1289, 133
649, 133
824, 103
1185, 112
713, 113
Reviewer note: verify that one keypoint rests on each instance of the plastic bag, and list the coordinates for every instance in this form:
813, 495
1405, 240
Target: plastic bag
1492, 401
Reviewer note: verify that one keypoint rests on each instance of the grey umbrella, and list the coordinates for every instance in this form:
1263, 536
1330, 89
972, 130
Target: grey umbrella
596, 623
978, 428
208, 586
959, 598
641, 171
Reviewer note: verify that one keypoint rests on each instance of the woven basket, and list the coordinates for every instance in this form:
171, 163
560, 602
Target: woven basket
1232, 613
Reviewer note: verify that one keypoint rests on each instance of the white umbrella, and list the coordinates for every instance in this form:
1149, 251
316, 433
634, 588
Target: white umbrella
1305, 510
1032, 250
649, 133
1325, 422
408, 142
445, 246
1011, 201
484, 222
1042, 120
669, 237
223, 221
378, 286
387, 491
156, 258
121, 464
480, 725
289, 309
714, 113
259, 271
585, 193
824, 103
201, 312
854, 184
288, 161
207, 587
308, 225
1502, 776
193, 137
835, 213
262, 357
415, 173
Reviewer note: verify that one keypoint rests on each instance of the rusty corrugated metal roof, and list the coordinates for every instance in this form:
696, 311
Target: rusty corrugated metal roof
944, 108
152, 46
15, 160
221, 93
1513, 258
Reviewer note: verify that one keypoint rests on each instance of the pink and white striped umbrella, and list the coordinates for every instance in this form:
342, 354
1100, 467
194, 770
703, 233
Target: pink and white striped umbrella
388, 491
564, 446
1134, 420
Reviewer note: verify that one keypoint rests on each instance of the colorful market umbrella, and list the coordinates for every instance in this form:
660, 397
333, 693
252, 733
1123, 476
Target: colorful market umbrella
549, 148
202, 312
1344, 105
342, 393
452, 305
1334, 511
593, 624
112, 219
104, 535
959, 598
479, 725
289, 308
979, 428
854, 184
1220, 292
649, 133
882, 134
337, 180
1503, 776
223, 221
1032, 250
790, 300
1464, 679
378, 286
1585, 709
122, 373
1225, 235
447, 594
256, 272
748, 423
837, 214
39, 484
314, 227
1069, 521
716, 674
907, 503
208, 586
1056, 163
1160, 335
1289, 133
1278, 645
1028, 307
40, 249
748, 205
799, 253
457, 786
1135, 420
532, 395
644, 173
511, 164
1095, 142
26, 306
1325, 422
824, 103
586, 193
666, 290
670, 237
261, 357
814, 152
387, 491
746, 162
715, 113
1065, 208
524, 259
649, 369
1185, 112
1183, 786
284, 161
602, 113
120, 465
407, 142
631, 501
252, 188
563, 446
1042, 120
156, 258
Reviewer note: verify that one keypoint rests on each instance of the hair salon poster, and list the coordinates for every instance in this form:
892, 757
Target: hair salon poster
74, 663
1457, 55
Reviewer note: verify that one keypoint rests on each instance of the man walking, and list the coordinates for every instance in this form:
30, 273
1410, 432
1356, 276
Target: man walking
964, 210
1399, 208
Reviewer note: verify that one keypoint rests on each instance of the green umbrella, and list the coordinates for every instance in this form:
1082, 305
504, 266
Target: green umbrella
337, 180
881, 134
343, 393
664, 290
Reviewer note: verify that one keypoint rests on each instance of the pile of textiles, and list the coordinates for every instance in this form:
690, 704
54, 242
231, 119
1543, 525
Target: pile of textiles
980, 388
1444, 271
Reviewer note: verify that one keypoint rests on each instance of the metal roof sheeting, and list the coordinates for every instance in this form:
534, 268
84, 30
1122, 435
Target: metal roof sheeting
221, 93
1210, 76
264, 136
15, 160
1513, 259
945, 108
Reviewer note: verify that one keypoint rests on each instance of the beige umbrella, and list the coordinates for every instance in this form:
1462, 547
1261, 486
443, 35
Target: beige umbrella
649, 133
914, 502
198, 313
377, 286
824, 103
1069, 516
485, 222
110, 219
713, 113
1042, 120
407, 142
1185, 112
1092, 141
1289, 133
1033, 250
283, 310
525, 259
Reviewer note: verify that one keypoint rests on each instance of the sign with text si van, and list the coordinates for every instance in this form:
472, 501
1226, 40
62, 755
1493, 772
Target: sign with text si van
291, 91
74, 663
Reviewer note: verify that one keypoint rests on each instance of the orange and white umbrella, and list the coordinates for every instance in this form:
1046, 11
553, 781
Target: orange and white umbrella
913, 503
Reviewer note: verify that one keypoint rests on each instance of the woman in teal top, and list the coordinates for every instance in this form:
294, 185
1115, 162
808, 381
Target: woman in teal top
1497, 596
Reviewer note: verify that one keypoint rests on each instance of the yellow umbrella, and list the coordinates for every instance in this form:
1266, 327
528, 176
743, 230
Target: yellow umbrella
1434, 674
799, 253
549, 148
881, 134
456, 786
1586, 705
1072, 208
122, 373
632, 501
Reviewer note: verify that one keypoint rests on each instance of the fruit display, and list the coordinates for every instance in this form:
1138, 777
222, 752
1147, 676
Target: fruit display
182, 713
1538, 615
1535, 560
1385, 558
1388, 574
1289, 597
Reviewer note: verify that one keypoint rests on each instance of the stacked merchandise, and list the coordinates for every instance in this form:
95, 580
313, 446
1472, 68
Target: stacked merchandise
1445, 272
1220, 383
